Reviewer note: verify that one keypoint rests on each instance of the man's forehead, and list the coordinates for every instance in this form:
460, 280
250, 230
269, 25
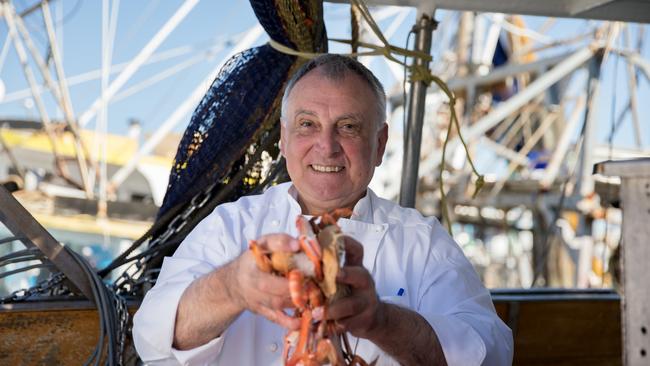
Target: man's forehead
319, 74
315, 87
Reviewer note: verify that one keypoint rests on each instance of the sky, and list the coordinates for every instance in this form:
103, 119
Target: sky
216, 26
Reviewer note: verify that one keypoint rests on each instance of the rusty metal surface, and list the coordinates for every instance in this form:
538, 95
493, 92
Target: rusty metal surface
52, 333
64, 337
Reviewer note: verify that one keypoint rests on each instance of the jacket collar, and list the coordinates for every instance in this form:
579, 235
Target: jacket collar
362, 211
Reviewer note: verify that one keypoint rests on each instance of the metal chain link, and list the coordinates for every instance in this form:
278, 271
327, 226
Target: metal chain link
125, 284
39, 288
123, 316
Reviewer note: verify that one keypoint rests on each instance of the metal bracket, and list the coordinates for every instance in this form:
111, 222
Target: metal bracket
22, 224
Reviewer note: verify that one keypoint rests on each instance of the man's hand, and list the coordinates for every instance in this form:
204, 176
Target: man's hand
212, 302
361, 312
386, 325
263, 293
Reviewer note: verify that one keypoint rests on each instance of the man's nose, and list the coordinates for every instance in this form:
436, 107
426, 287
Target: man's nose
328, 143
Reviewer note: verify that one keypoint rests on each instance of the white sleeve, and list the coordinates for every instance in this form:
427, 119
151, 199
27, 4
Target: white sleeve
459, 308
206, 248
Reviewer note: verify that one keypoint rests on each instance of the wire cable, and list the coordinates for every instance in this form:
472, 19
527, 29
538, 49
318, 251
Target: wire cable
110, 326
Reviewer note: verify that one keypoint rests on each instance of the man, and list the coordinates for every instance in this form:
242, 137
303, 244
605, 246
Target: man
415, 299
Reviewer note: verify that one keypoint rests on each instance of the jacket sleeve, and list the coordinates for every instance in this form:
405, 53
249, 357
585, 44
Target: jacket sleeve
206, 248
459, 308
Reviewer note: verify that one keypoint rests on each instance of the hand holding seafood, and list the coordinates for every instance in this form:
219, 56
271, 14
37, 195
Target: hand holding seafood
312, 272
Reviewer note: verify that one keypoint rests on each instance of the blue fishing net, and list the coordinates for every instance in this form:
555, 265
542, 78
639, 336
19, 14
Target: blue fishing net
226, 119
242, 101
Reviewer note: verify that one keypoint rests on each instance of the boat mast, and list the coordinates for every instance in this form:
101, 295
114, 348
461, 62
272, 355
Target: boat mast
425, 25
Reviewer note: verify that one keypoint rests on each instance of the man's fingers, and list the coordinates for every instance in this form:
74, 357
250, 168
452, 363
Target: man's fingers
279, 317
273, 302
278, 243
346, 307
351, 323
357, 277
272, 285
353, 252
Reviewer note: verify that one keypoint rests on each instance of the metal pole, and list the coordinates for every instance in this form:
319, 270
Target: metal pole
585, 183
424, 26
502, 72
63, 103
139, 60
637, 60
632, 84
64, 99
40, 62
562, 146
108, 17
10, 16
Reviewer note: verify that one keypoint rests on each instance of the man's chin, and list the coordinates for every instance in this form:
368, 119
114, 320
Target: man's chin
326, 200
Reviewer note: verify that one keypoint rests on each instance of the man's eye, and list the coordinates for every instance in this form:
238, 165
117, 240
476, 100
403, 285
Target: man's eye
348, 127
305, 123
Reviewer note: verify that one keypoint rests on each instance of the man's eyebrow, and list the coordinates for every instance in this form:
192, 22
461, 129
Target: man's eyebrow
353, 116
305, 111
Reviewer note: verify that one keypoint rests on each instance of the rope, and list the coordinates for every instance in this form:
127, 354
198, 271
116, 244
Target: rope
423, 74
290, 51
386, 49
355, 19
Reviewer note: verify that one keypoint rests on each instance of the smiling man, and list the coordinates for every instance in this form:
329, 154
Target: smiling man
333, 135
415, 298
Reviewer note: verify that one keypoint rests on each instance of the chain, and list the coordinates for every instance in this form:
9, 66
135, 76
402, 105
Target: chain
125, 283
41, 287
123, 316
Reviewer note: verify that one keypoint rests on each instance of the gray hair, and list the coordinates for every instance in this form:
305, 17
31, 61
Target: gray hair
335, 67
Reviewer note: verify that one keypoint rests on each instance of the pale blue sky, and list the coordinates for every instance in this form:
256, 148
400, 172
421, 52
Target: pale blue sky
208, 24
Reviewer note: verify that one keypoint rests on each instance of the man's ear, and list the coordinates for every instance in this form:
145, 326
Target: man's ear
382, 138
282, 138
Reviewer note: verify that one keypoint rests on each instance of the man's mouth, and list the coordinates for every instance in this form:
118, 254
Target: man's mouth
326, 168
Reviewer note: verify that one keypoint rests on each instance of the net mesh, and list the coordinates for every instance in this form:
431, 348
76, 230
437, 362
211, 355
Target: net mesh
244, 99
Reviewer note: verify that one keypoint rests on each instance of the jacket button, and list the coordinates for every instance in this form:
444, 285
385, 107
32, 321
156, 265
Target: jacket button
273, 347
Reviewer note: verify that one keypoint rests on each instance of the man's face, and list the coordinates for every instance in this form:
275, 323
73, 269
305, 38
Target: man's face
331, 141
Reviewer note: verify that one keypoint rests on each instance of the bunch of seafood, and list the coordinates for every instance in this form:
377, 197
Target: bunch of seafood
312, 284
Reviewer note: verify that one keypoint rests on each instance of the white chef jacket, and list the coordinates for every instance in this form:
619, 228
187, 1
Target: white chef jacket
413, 261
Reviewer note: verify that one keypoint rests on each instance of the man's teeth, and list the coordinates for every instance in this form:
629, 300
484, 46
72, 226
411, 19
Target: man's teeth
327, 168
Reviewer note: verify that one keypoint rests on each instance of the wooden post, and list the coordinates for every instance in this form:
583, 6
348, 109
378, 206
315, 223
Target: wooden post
635, 256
